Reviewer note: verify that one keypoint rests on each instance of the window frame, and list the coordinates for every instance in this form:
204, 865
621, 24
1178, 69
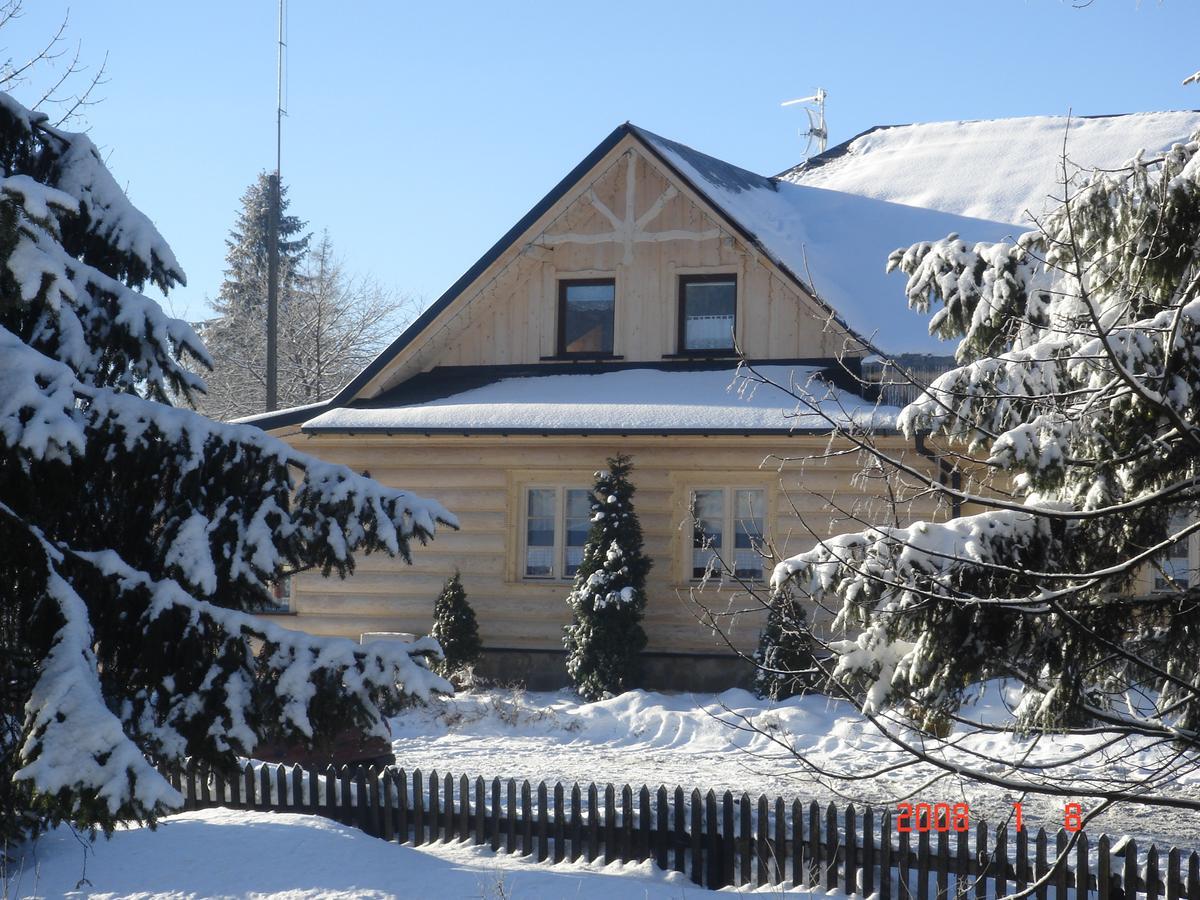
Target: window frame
1192, 543
558, 564
728, 549
561, 336
686, 279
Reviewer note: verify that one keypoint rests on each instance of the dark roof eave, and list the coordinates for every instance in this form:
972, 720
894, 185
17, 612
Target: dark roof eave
586, 432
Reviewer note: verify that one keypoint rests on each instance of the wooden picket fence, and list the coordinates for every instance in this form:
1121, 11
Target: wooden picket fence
716, 841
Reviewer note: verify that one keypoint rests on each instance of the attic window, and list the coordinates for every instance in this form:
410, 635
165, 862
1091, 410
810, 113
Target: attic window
707, 313
585, 316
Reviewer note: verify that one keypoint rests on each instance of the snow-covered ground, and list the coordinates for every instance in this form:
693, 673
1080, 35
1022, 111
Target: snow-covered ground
237, 853
690, 740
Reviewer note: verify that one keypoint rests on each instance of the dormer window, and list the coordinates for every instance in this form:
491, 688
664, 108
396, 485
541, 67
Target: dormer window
707, 313
585, 317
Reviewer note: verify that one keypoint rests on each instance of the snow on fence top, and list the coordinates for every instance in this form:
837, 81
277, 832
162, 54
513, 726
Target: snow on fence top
624, 400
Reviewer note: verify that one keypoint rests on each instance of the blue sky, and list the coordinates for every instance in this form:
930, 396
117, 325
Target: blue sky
418, 133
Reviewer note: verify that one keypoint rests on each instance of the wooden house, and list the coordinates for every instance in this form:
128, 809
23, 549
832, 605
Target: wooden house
608, 320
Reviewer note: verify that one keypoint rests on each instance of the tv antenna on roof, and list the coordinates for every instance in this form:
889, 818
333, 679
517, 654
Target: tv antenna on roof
817, 133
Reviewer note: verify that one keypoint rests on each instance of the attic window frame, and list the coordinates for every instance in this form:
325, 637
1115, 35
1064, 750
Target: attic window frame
681, 314
561, 347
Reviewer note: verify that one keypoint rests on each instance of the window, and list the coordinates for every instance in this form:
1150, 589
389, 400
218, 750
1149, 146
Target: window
281, 595
728, 522
585, 316
557, 521
707, 313
1182, 561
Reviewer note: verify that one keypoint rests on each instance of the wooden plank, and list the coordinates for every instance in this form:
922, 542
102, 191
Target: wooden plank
526, 819
361, 800
331, 800
418, 808
645, 824
1152, 873
576, 823
1060, 866
204, 773
662, 835
345, 796
814, 844
1083, 879
480, 810
560, 822
1193, 877
495, 815
543, 824
943, 864
697, 846
1174, 884
1000, 866
1103, 869
763, 842
868, 852
923, 865
1022, 873
626, 838
1129, 879
729, 839
388, 801
779, 848
885, 856
297, 788
799, 873
962, 871
374, 806
235, 785
218, 787
985, 865
714, 877
510, 818
831, 847
448, 813
903, 866
1042, 868
434, 814
850, 858
402, 820
463, 831
610, 824
745, 838
593, 837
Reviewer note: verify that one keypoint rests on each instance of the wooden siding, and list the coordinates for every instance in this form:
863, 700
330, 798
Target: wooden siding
509, 315
481, 480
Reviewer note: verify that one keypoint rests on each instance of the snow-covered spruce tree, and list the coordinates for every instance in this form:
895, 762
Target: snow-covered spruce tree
455, 629
1078, 393
605, 638
783, 662
136, 537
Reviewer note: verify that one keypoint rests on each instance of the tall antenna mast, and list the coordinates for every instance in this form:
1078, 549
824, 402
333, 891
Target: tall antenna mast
273, 234
817, 132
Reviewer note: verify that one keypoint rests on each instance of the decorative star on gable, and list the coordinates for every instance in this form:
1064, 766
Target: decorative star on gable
628, 231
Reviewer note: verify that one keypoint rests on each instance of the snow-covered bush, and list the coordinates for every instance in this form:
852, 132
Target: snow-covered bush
1073, 414
605, 638
455, 629
137, 537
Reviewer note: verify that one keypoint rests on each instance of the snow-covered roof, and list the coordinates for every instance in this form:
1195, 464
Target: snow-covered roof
997, 169
835, 243
624, 401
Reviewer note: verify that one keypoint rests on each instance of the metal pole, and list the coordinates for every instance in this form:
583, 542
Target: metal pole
273, 237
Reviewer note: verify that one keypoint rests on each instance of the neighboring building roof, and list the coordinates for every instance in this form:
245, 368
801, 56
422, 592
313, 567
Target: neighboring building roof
938, 165
713, 400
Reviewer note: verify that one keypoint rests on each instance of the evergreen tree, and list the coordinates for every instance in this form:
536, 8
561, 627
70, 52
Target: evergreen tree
455, 628
137, 538
1075, 405
605, 639
784, 664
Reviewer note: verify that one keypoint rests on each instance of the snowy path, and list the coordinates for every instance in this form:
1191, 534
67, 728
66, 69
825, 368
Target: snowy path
674, 740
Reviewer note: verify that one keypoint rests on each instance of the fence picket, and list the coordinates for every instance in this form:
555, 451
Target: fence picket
923, 866
401, 783
1193, 877
868, 852
728, 841
712, 850
814, 844
1000, 866
347, 801
1152, 873
526, 819
626, 840
464, 808
297, 788
543, 825
205, 790
745, 835
663, 831
850, 863
480, 810
1130, 879
885, 856
904, 867
644, 824
697, 845
831, 847
418, 811
680, 836
495, 815
1022, 874
1082, 861
331, 804
1060, 865
281, 788
983, 863
610, 824
448, 813
434, 810
763, 841
779, 848
510, 819
593, 838
1173, 883
963, 871
375, 807
560, 822
943, 865
362, 801
389, 824
576, 823
1103, 869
